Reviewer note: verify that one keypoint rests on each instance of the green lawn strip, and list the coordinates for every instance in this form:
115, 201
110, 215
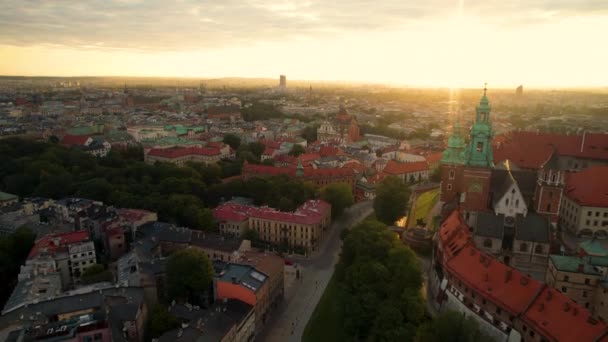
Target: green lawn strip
325, 323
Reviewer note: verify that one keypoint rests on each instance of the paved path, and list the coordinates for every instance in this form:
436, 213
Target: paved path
290, 318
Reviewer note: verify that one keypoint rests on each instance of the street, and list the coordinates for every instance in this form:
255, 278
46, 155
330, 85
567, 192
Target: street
288, 321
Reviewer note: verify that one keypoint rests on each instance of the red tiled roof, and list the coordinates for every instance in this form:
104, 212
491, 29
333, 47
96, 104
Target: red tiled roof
501, 284
328, 150
397, 168
310, 212
454, 234
531, 149
434, 157
133, 215
51, 243
269, 151
559, 317
176, 152
71, 140
232, 212
589, 187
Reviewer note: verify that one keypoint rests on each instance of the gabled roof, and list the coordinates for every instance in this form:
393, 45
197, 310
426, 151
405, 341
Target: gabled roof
533, 227
501, 284
71, 140
589, 187
397, 168
560, 318
53, 242
490, 225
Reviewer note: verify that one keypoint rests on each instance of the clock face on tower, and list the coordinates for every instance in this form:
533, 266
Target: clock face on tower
475, 186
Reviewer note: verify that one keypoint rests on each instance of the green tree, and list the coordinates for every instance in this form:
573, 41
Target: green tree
232, 140
436, 175
451, 326
189, 275
310, 133
379, 285
95, 274
391, 200
339, 195
160, 321
297, 150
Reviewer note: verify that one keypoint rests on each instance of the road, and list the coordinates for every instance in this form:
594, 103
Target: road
289, 319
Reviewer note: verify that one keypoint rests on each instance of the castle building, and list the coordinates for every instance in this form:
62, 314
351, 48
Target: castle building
341, 129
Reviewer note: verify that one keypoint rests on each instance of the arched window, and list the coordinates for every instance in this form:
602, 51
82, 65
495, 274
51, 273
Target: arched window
507, 201
487, 243
517, 203
449, 187
523, 247
452, 174
538, 249
549, 207
553, 178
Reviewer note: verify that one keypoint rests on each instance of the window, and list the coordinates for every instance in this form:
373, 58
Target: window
588, 213
538, 249
523, 247
597, 214
487, 243
517, 203
449, 187
98, 337
479, 146
507, 202
584, 294
588, 222
550, 194
564, 289
452, 174
566, 278
587, 282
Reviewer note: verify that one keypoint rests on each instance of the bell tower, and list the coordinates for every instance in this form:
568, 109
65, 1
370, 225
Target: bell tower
452, 163
478, 160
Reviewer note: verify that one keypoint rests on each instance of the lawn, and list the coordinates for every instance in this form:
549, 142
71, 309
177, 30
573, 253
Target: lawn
325, 323
424, 203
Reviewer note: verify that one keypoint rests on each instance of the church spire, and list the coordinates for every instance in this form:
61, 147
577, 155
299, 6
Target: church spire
479, 150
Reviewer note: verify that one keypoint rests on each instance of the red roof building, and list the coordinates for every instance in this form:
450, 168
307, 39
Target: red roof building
503, 296
530, 149
588, 187
53, 243
75, 140
180, 155
414, 171
559, 318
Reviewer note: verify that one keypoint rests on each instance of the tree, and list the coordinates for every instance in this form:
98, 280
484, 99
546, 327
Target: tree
451, 326
189, 275
297, 150
232, 140
160, 321
436, 175
251, 235
96, 274
379, 281
391, 200
310, 133
339, 195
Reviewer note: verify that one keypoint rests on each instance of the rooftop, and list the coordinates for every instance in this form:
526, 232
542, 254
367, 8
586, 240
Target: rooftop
52, 242
573, 264
244, 275
494, 280
588, 187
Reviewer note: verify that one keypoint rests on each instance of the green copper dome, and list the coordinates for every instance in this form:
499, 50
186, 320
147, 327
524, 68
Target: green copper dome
479, 150
454, 154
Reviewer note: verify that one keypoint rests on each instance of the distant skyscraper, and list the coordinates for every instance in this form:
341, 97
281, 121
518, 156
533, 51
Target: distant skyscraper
519, 91
282, 81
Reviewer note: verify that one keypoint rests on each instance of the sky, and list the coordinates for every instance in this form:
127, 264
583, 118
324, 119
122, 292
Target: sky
455, 43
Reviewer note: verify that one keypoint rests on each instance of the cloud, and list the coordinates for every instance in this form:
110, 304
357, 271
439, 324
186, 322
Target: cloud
200, 24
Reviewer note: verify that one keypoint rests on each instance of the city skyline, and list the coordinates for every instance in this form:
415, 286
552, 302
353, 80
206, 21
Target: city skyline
436, 43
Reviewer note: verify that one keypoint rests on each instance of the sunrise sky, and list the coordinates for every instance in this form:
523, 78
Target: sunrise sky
423, 43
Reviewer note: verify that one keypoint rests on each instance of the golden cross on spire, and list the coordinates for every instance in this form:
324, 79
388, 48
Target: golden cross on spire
485, 88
